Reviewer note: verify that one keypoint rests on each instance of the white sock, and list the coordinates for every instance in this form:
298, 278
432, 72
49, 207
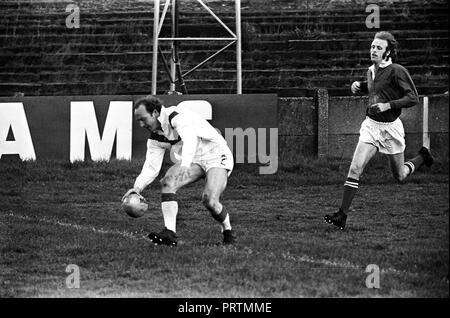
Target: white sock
226, 225
170, 210
410, 167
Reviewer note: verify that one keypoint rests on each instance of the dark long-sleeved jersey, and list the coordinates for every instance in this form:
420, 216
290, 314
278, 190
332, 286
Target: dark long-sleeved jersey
391, 84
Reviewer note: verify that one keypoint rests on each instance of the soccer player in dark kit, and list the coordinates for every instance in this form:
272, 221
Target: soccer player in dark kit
390, 88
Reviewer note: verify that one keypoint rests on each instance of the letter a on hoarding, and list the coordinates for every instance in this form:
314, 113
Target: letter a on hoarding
12, 115
83, 123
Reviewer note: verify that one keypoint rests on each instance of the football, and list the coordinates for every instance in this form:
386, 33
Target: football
134, 205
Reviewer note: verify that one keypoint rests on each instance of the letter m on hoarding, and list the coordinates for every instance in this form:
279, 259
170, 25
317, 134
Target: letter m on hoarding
118, 125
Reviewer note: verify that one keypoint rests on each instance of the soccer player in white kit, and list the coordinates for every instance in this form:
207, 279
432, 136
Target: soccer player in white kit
202, 153
390, 88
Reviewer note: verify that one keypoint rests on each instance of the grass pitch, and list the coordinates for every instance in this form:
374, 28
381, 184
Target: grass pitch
53, 214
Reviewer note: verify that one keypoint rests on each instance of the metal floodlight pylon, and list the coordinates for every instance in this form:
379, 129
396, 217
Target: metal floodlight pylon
175, 69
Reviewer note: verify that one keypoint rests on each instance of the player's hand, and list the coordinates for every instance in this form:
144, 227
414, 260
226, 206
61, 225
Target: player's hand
183, 174
379, 108
133, 190
356, 87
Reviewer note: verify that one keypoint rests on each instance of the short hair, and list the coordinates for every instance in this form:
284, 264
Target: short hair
150, 102
390, 39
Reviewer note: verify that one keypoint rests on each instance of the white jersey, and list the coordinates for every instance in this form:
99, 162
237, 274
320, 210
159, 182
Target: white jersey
182, 129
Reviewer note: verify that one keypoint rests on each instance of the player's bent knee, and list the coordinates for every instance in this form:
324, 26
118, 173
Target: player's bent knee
208, 201
400, 177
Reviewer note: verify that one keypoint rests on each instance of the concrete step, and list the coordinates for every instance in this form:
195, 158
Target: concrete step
343, 44
327, 82
46, 38
145, 18
357, 44
78, 47
65, 89
249, 39
431, 72
227, 8
215, 29
362, 35
309, 92
33, 63
198, 55
256, 77
346, 26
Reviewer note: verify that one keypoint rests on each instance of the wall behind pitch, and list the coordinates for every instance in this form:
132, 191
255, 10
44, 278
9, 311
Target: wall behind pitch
347, 113
298, 126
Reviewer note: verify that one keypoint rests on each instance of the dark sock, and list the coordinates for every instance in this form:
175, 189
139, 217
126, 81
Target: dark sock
350, 188
416, 162
221, 216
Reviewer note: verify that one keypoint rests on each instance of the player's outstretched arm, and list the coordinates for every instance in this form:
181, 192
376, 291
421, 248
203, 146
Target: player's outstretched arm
152, 165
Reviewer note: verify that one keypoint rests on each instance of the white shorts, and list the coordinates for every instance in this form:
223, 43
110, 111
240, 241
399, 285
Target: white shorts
211, 155
389, 138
